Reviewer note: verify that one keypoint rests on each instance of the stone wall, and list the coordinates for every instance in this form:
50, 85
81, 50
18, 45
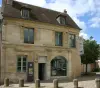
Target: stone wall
44, 45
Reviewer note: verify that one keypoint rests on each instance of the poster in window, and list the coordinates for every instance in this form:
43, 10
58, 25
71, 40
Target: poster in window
30, 71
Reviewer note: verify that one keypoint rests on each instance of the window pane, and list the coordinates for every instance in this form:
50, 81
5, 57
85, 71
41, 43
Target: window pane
24, 69
72, 40
26, 35
31, 35
24, 58
19, 69
19, 64
58, 66
62, 20
58, 38
25, 13
19, 58
24, 63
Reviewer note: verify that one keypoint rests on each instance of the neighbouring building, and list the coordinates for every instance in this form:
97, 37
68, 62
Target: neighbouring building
0, 38
81, 48
98, 61
38, 43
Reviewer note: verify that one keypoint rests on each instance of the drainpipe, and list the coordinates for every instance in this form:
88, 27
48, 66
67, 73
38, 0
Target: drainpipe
1, 23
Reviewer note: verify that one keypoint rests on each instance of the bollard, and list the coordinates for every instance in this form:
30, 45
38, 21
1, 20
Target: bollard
6, 82
75, 81
55, 83
21, 83
37, 83
97, 83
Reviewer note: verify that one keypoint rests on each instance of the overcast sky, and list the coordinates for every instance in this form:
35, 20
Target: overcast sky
86, 13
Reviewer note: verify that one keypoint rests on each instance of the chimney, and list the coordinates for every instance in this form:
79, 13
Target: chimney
65, 11
9, 2
4, 3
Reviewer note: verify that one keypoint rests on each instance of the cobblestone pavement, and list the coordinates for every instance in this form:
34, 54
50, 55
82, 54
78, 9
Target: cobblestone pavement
84, 82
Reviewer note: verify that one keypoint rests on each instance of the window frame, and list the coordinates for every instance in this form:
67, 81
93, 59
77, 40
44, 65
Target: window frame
60, 20
71, 44
25, 13
58, 39
29, 41
63, 18
22, 60
57, 64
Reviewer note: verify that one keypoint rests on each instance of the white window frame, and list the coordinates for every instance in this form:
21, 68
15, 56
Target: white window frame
62, 20
58, 38
70, 40
22, 64
23, 13
32, 42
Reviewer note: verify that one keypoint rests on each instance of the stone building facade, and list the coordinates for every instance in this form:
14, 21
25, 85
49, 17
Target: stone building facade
54, 53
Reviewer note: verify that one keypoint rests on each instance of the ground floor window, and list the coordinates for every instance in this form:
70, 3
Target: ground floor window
21, 63
59, 66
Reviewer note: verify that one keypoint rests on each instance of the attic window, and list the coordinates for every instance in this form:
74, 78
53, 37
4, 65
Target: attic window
62, 20
25, 13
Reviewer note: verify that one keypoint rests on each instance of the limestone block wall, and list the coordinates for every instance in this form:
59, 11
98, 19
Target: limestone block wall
10, 69
76, 63
44, 45
8, 66
44, 34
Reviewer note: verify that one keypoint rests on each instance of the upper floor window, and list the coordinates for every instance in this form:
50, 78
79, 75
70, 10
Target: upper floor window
58, 38
21, 63
29, 35
25, 13
72, 40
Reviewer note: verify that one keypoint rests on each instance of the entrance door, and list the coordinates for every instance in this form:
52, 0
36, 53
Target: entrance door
41, 71
30, 72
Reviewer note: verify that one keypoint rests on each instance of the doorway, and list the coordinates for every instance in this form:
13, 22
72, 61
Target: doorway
30, 72
41, 70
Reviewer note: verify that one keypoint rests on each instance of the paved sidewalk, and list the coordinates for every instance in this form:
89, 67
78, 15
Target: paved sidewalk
84, 82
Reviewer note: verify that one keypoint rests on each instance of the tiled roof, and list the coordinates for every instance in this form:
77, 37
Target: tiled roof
37, 14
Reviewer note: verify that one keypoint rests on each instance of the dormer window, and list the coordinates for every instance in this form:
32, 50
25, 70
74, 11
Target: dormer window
61, 20
25, 13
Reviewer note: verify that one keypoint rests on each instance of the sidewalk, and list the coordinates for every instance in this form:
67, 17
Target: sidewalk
86, 82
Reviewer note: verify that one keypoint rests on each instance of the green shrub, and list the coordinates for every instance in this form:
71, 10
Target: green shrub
96, 70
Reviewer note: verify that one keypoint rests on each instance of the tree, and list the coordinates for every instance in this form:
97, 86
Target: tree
91, 52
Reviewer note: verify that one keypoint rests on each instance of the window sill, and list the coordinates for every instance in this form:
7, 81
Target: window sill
21, 72
28, 43
58, 77
72, 47
59, 45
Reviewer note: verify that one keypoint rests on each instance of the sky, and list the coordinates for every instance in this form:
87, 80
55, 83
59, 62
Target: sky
86, 13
